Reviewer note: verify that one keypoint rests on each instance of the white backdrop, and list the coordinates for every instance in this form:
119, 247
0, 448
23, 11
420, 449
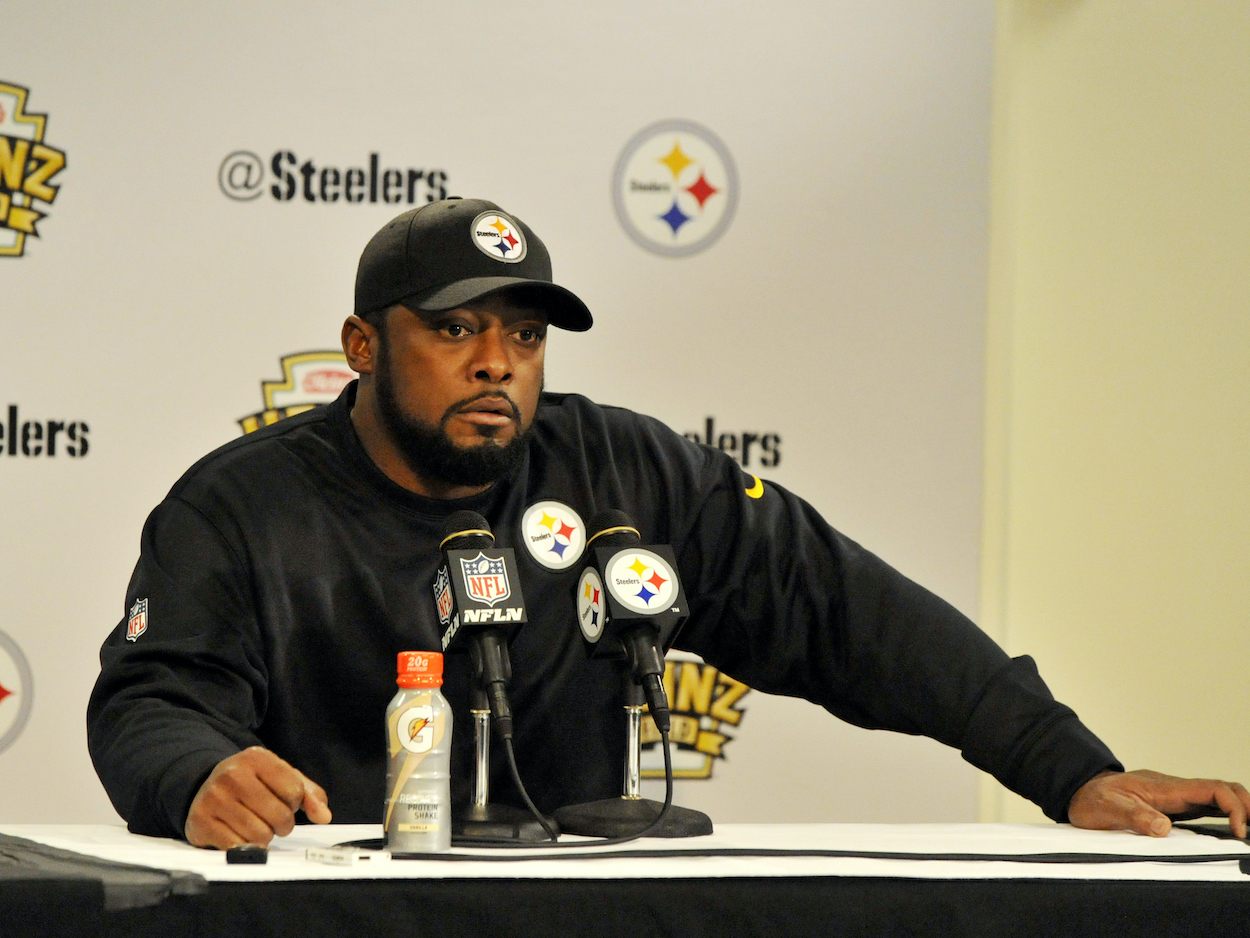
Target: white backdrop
842, 309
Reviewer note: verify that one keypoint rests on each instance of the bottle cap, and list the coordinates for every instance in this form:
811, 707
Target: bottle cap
420, 669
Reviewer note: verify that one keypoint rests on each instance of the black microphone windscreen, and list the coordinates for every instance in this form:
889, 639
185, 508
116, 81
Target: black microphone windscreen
612, 528
465, 530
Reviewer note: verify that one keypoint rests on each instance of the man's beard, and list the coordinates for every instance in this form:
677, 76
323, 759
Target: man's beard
430, 452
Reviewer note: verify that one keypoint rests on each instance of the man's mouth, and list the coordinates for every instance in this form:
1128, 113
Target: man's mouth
489, 411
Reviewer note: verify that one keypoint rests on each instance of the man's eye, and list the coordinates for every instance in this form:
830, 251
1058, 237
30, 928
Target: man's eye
455, 329
529, 335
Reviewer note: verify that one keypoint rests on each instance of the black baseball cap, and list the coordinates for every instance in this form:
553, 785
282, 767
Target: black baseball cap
449, 253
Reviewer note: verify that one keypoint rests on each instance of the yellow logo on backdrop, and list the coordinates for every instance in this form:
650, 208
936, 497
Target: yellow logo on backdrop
308, 379
704, 702
27, 167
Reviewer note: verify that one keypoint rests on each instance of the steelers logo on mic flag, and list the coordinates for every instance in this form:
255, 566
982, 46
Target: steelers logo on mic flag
591, 608
553, 534
641, 580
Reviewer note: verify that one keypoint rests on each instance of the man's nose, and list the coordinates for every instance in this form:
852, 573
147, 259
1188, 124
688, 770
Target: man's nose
492, 361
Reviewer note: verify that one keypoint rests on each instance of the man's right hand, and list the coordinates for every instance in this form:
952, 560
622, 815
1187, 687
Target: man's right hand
250, 797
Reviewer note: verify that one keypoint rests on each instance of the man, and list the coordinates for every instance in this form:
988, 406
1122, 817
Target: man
284, 571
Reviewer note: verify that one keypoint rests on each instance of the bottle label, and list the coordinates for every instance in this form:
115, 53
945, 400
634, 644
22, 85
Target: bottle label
405, 828
415, 729
422, 816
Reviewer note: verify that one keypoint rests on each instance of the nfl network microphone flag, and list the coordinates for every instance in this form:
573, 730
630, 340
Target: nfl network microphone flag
480, 586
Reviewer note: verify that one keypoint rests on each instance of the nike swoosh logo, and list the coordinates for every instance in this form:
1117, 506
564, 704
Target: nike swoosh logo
757, 490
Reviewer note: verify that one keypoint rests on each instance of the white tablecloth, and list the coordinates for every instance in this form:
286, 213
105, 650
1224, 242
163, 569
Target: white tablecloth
287, 854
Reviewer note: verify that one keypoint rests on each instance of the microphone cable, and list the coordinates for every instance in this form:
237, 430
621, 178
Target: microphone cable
599, 842
525, 795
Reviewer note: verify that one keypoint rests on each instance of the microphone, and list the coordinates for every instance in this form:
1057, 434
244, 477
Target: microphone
630, 603
477, 591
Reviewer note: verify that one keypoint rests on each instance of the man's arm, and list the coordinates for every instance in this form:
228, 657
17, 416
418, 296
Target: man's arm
187, 689
791, 606
788, 605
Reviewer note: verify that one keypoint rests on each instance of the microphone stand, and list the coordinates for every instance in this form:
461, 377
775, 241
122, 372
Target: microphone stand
483, 820
628, 814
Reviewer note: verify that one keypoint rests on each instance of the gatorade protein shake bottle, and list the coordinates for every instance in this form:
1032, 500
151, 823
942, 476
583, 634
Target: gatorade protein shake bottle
417, 816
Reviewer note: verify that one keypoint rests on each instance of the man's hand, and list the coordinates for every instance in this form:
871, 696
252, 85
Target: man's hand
250, 797
1141, 801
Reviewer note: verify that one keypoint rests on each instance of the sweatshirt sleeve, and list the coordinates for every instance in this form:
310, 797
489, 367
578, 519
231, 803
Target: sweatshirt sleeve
186, 687
785, 603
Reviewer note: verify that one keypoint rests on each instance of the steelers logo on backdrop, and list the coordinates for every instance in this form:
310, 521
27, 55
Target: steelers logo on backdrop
675, 188
17, 690
554, 534
498, 236
641, 580
591, 610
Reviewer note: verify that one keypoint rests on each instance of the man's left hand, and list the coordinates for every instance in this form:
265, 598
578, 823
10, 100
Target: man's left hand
1142, 801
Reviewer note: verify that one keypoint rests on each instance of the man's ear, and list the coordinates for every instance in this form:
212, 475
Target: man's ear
359, 344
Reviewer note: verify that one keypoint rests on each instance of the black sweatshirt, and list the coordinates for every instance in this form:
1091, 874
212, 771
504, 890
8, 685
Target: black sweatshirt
284, 572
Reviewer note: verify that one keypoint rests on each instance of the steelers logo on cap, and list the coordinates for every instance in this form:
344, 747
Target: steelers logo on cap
498, 236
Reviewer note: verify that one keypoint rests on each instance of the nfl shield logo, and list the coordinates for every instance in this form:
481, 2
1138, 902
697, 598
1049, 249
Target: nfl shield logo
486, 579
137, 624
442, 595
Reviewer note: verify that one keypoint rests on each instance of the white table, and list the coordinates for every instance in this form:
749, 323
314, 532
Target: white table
681, 892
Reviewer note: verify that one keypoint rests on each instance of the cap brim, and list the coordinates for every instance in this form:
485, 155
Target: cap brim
564, 310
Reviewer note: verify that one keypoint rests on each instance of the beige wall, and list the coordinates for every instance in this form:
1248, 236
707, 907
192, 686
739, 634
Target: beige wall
1117, 513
